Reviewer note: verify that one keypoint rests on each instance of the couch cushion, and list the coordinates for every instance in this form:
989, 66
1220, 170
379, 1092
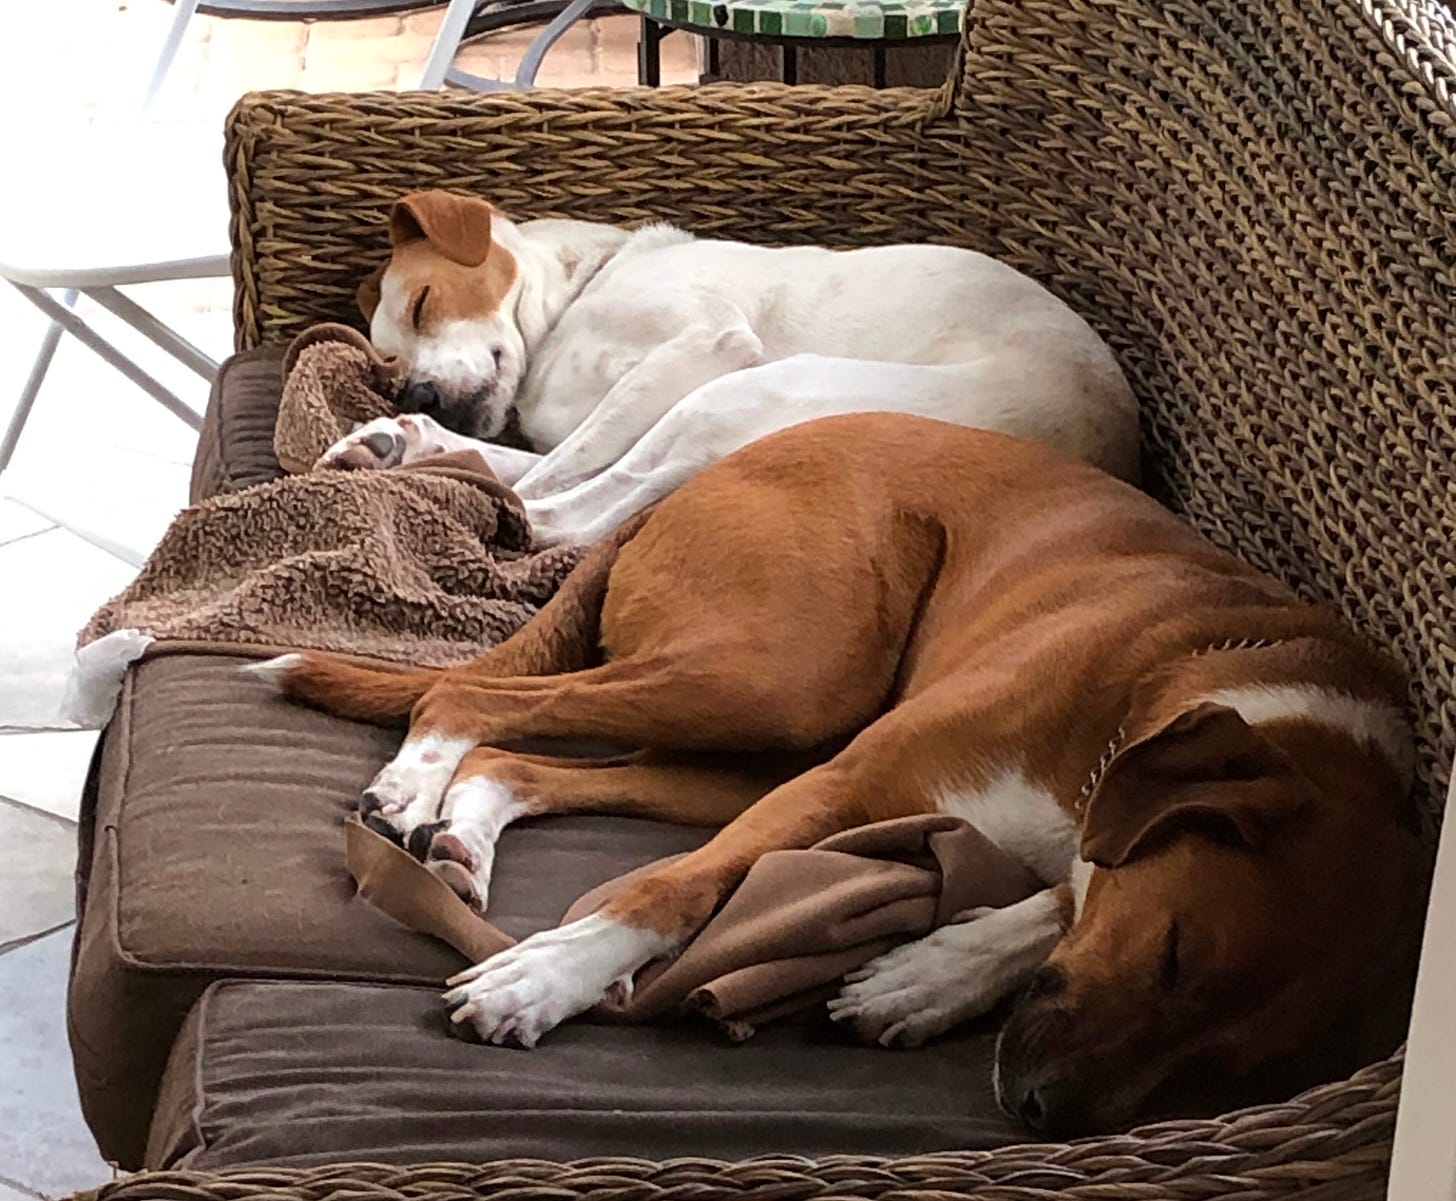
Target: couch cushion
302, 1074
218, 851
235, 447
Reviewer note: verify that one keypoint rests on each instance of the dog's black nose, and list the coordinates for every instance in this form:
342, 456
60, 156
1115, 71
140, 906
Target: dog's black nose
419, 398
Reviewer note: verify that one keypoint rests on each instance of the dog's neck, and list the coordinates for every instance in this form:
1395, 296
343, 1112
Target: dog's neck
556, 259
1325, 678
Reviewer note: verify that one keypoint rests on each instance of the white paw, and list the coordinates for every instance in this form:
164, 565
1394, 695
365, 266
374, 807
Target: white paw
383, 442
409, 789
461, 850
959, 972
533, 987
922, 989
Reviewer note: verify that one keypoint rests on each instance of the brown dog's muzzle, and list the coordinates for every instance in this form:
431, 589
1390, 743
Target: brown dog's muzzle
1032, 1082
1050, 1076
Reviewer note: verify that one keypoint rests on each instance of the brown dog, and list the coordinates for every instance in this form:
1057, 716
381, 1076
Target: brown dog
983, 627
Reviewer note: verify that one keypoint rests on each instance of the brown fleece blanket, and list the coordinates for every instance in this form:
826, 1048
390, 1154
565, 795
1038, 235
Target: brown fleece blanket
781, 942
333, 380
429, 564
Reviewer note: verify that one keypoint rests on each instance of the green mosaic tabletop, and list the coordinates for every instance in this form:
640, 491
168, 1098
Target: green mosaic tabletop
886, 21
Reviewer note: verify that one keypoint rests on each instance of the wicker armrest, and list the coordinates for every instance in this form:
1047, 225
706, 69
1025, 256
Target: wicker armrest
312, 175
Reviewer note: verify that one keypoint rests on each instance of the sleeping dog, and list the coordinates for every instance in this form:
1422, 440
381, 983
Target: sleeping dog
634, 359
1206, 773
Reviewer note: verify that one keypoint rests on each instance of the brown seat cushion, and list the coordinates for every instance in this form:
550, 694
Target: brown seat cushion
211, 848
235, 446
301, 1074
218, 851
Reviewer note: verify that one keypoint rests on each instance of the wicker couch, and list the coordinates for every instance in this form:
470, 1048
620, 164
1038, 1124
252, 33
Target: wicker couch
1251, 199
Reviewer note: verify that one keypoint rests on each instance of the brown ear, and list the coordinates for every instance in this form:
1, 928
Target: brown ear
1206, 765
457, 226
367, 294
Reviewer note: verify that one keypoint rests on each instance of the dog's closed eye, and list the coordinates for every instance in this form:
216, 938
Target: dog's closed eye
1168, 965
417, 307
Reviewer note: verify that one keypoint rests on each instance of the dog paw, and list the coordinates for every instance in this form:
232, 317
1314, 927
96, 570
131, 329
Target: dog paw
530, 989
376, 444
913, 993
890, 1006
405, 800
449, 857
409, 790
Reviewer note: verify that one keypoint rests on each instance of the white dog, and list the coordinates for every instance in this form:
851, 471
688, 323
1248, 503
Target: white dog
635, 359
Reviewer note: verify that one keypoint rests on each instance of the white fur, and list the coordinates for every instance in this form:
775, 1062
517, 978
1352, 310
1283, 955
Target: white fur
950, 976
1369, 722
523, 992
648, 356
478, 810
416, 435
272, 670
1021, 818
411, 786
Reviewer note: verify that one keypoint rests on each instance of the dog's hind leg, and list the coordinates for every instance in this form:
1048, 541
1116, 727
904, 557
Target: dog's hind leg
494, 787
1084, 417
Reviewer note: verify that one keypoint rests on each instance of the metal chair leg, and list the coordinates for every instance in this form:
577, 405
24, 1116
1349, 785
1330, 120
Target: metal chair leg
74, 325
649, 53
155, 331
536, 52
33, 382
791, 64
447, 44
180, 18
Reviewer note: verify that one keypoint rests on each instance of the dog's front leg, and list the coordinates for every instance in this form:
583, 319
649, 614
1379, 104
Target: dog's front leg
953, 974
394, 441
525, 991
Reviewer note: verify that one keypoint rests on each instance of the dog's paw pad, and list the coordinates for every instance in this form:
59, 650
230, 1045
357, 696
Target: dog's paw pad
379, 444
459, 880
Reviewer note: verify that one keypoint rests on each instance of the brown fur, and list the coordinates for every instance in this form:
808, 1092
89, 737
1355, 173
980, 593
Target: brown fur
939, 604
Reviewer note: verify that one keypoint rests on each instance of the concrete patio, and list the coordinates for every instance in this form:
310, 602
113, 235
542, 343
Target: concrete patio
99, 450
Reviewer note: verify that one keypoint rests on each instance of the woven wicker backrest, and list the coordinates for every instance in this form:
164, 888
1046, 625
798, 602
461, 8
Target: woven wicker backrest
1254, 202
1251, 199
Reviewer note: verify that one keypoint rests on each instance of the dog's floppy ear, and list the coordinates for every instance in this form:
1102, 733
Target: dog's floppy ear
457, 226
367, 295
1207, 765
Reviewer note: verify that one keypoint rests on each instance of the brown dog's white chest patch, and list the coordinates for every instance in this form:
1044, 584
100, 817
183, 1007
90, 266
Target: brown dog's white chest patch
1021, 817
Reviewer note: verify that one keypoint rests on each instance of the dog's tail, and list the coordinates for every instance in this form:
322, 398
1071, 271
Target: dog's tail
345, 689
564, 636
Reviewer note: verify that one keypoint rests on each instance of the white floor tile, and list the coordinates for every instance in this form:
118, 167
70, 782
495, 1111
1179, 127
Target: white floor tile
44, 1144
16, 521
46, 770
37, 861
53, 583
14, 1194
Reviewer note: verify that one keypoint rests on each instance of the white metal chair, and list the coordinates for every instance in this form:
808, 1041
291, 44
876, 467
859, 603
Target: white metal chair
489, 15
140, 207
457, 26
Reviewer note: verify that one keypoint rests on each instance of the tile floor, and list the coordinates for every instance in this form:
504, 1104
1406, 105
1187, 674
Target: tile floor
97, 453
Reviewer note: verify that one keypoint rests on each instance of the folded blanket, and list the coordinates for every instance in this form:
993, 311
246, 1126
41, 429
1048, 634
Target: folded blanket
427, 565
796, 924
333, 380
